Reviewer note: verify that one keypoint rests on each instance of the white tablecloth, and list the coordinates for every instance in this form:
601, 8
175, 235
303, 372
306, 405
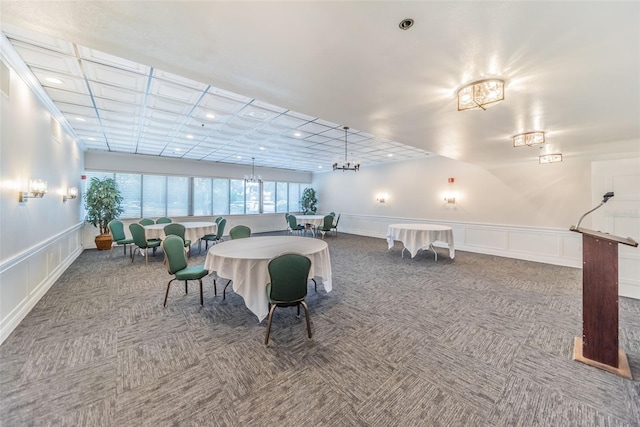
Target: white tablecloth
420, 236
315, 220
193, 230
245, 262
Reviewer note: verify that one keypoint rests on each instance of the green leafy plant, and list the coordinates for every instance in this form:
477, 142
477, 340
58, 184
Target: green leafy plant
103, 203
309, 201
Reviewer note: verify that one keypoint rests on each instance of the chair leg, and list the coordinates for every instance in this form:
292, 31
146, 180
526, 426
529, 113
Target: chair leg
215, 291
224, 294
306, 313
167, 294
315, 285
125, 249
266, 338
186, 290
201, 296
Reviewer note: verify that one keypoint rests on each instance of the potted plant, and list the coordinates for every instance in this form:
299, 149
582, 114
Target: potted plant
309, 201
102, 202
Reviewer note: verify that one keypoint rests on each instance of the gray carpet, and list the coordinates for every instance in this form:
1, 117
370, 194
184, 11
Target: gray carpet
475, 341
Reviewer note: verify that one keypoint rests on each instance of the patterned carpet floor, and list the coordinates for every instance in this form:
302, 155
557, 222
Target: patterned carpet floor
475, 341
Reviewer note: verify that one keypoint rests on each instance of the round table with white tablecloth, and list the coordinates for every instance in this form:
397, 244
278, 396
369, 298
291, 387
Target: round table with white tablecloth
245, 261
420, 236
193, 230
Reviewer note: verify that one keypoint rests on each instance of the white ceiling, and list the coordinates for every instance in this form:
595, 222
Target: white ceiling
269, 69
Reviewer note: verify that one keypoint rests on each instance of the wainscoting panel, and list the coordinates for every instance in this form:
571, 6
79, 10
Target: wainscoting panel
542, 243
27, 276
488, 238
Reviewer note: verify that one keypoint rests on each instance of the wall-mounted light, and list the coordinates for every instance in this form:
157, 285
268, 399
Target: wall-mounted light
72, 193
550, 158
528, 139
450, 196
481, 93
37, 189
382, 197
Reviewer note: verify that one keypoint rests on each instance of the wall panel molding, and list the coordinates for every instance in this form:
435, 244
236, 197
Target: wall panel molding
27, 276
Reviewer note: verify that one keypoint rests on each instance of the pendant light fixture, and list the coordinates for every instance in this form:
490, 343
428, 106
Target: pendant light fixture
348, 165
253, 178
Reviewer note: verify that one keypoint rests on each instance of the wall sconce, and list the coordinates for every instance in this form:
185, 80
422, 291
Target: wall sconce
550, 158
72, 193
450, 196
382, 197
37, 189
481, 93
528, 139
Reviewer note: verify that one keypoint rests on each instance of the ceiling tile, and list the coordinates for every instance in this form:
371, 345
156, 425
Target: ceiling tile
105, 58
115, 76
116, 94
47, 60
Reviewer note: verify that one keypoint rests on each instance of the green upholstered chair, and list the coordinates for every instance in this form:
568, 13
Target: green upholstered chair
217, 220
333, 214
327, 224
141, 242
175, 229
163, 220
176, 261
146, 221
334, 228
239, 232
288, 286
215, 238
119, 238
293, 225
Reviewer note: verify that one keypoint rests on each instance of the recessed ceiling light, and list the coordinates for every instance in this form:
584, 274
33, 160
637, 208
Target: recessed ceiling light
91, 139
405, 24
211, 116
389, 155
189, 136
80, 119
320, 167
297, 134
178, 149
238, 157
54, 80
262, 148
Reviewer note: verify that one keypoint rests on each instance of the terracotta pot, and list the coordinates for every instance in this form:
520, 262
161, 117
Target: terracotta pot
103, 241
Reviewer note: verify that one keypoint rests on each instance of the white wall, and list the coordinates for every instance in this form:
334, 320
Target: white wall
522, 211
42, 237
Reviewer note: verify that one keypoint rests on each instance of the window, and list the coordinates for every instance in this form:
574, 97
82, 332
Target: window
177, 196
202, 197
220, 196
130, 187
282, 197
268, 197
236, 197
154, 195
294, 197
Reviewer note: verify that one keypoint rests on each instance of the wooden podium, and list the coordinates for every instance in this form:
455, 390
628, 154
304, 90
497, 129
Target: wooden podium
598, 345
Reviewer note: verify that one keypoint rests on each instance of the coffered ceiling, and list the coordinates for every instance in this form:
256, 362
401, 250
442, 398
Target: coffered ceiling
228, 81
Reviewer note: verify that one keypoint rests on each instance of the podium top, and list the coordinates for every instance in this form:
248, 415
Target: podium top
599, 234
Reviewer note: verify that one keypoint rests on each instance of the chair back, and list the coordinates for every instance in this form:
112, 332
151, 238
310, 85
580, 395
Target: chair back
288, 274
240, 232
333, 214
174, 229
163, 220
117, 230
218, 220
327, 222
146, 221
137, 233
173, 247
220, 231
293, 222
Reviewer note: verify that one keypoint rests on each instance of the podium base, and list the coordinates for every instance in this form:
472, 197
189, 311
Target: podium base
623, 364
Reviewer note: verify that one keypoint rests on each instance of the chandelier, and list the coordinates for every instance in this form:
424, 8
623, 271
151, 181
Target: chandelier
481, 93
528, 139
253, 178
348, 165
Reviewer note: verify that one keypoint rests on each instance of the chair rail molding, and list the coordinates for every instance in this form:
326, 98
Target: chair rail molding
28, 275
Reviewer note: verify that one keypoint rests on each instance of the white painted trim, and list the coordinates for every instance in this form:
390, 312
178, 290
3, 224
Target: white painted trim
12, 319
